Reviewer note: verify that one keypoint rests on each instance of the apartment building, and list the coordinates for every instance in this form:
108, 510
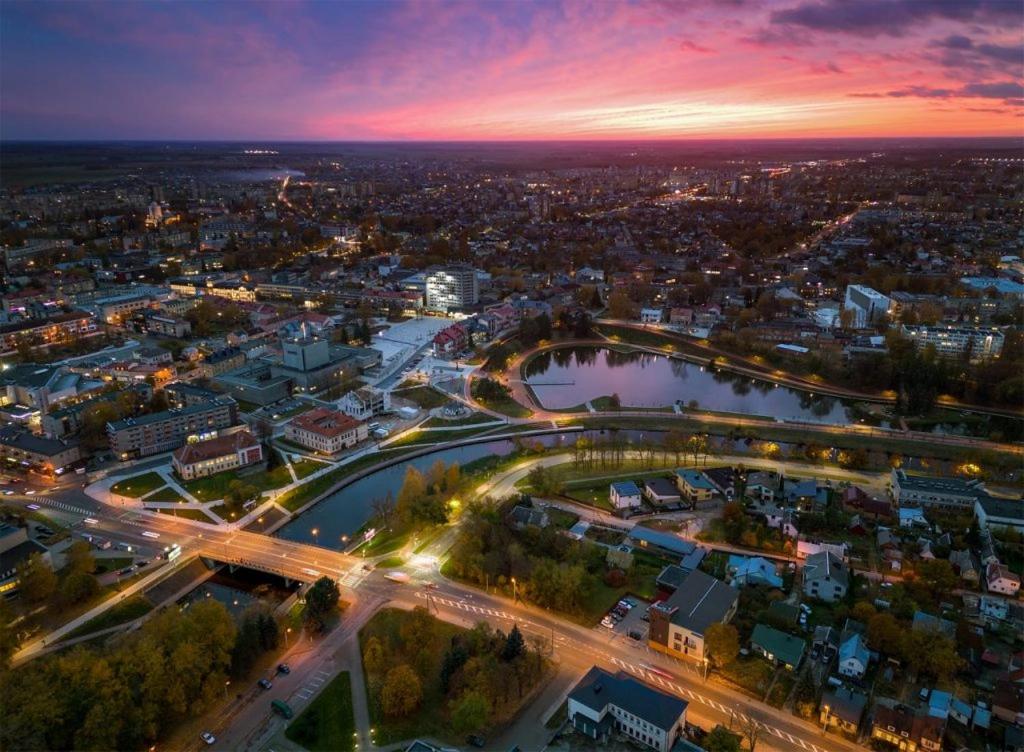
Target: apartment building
365, 403
925, 490
678, 624
452, 287
867, 305
217, 455
161, 432
977, 343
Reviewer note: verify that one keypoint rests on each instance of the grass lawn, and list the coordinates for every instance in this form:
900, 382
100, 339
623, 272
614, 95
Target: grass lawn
434, 437
127, 610
165, 494
595, 496
111, 564
187, 513
424, 396
783, 686
559, 717
387, 540
138, 485
327, 724
506, 406
467, 421
214, 487
752, 674
304, 468
391, 562
562, 519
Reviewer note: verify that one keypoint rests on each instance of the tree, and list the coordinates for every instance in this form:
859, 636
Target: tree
402, 692
37, 580
885, 633
750, 727
515, 646
938, 575
722, 739
470, 712
78, 587
620, 306
8, 635
79, 558
722, 641
734, 520
321, 603
373, 656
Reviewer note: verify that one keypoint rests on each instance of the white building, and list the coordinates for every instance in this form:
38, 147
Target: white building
867, 305
603, 703
624, 495
651, 315
999, 579
957, 341
326, 431
452, 287
365, 403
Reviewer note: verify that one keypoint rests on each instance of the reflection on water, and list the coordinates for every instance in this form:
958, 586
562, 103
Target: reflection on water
568, 377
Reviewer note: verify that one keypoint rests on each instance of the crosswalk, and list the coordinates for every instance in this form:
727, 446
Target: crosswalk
63, 506
311, 687
525, 625
653, 678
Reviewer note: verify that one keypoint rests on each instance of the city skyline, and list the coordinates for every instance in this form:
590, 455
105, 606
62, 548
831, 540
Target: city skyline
539, 71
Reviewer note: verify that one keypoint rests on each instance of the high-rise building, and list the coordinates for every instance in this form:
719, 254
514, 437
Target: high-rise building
867, 305
452, 287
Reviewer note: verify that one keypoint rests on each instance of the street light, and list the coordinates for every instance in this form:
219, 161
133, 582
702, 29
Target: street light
226, 684
316, 533
287, 632
515, 595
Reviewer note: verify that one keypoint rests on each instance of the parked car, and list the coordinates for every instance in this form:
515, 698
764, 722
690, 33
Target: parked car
265, 683
607, 622
283, 668
207, 737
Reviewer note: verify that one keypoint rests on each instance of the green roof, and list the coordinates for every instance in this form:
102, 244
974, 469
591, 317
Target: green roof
784, 647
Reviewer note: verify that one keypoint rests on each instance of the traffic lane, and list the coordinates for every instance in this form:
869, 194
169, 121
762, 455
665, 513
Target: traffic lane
584, 645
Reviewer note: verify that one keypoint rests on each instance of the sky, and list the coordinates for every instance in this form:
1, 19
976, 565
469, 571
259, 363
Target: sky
510, 70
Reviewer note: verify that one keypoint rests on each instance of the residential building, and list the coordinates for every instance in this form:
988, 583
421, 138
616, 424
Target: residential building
826, 577
229, 451
651, 315
183, 394
167, 326
678, 623
995, 513
661, 491
853, 656
450, 341
452, 287
1008, 702
903, 728
161, 432
999, 579
752, 570
975, 343
927, 490
693, 486
365, 403
624, 495
47, 456
966, 565
660, 541
723, 479
64, 327
842, 708
602, 703
780, 648
221, 361
868, 305
324, 430
15, 549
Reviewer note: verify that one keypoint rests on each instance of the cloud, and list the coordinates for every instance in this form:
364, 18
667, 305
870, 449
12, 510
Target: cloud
826, 67
690, 46
889, 17
1011, 92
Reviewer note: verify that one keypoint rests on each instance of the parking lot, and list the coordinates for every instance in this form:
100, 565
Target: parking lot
629, 624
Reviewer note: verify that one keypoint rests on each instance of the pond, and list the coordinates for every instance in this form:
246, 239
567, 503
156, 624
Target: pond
568, 377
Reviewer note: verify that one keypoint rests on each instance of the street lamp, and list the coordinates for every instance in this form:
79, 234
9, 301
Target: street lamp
226, 684
515, 595
316, 533
827, 709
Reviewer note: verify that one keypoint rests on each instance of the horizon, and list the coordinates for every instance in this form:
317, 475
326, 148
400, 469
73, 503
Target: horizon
396, 72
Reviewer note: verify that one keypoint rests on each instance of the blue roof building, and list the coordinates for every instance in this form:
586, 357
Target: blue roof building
753, 570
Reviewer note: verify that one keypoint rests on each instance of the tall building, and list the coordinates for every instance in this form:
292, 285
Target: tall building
957, 341
452, 287
867, 305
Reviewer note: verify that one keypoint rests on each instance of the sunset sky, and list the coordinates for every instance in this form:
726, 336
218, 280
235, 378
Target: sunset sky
510, 70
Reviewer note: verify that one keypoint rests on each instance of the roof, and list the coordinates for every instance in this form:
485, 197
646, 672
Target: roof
902, 718
13, 557
31, 375
854, 647
217, 447
695, 479
699, 601
993, 506
28, 442
599, 688
754, 568
661, 487
933, 484
325, 422
844, 703
826, 565
933, 623
626, 488
661, 539
194, 409
671, 576
785, 647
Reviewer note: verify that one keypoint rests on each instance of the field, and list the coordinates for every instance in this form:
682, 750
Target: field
138, 486
327, 725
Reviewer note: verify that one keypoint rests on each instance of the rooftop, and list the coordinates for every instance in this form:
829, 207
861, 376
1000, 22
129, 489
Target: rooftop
600, 688
325, 422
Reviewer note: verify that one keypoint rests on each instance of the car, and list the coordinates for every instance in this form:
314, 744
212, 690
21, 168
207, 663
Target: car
607, 622
475, 740
815, 652
634, 635
30, 492
127, 570
283, 668
265, 683
8, 492
923, 694
207, 737
805, 608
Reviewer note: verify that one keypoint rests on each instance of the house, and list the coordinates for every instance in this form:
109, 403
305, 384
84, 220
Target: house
651, 315
913, 517
999, 579
753, 570
826, 577
365, 403
523, 516
930, 623
902, 727
960, 711
15, 549
806, 549
229, 452
778, 647
324, 430
938, 704
661, 491
624, 495
806, 495
842, 708
784, 613
783, 520
693, 486
1008, 702
853, 657
670, 578
966, 565
660, 541
856, 499
826, 641
763, 485
723, 479
602, 703
678, 624
451, 341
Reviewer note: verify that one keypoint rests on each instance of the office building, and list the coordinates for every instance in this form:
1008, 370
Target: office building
326, 431
167, 430
452, 287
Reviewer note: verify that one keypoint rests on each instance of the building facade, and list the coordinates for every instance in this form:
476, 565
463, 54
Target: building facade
452, 287
164, 431
326, 431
